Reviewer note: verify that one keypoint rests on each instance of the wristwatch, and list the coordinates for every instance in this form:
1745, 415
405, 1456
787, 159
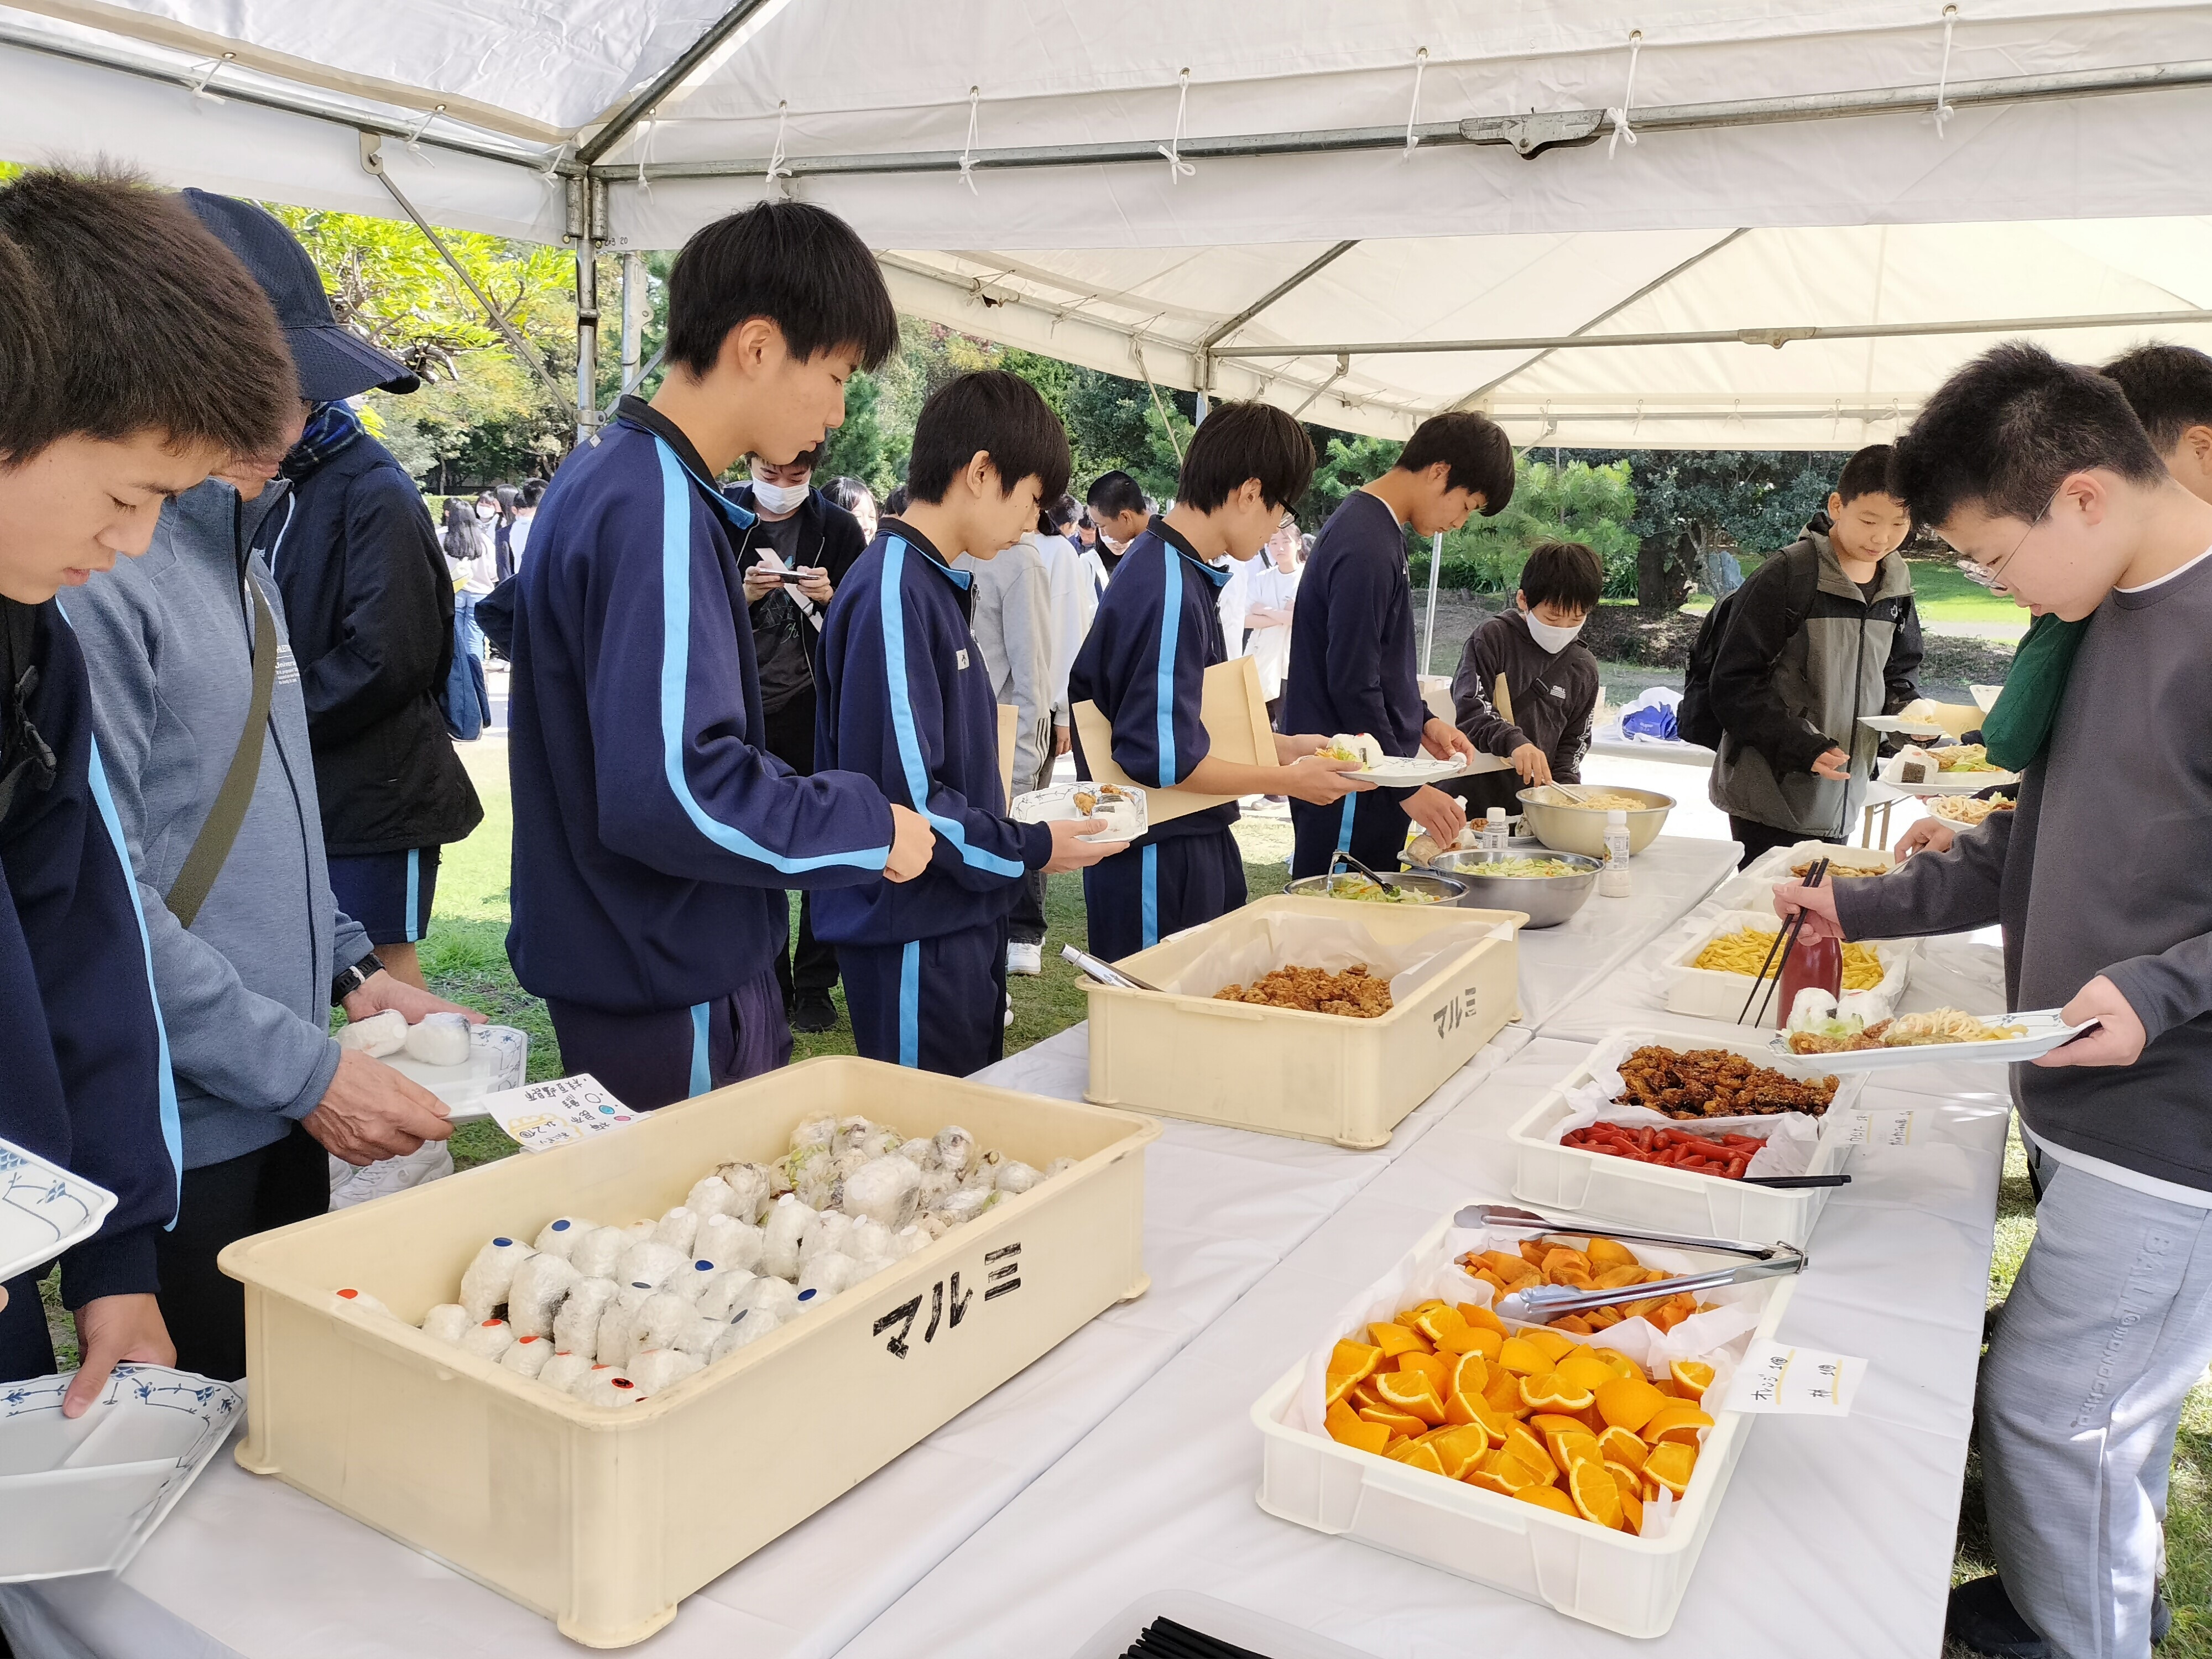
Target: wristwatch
354, 978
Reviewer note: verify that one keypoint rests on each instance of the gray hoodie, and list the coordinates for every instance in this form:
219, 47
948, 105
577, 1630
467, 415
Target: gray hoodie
168, 640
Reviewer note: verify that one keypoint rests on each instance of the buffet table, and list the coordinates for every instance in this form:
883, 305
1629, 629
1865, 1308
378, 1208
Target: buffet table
1050, 1493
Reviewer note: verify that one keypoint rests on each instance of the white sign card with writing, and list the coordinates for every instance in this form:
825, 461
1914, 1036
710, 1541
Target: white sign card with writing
1888, 1127
552, 1113
1774, 1376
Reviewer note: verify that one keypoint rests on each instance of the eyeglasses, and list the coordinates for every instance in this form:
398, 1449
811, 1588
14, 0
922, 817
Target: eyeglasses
1986, 575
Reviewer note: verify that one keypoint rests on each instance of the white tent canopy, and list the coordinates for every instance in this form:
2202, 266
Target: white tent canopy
1215, 196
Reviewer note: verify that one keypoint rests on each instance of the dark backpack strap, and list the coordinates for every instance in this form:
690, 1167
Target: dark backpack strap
220, 831
25, 761
1804, 586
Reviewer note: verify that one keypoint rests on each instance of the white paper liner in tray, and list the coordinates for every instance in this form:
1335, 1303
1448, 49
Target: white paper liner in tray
1333, 945
1720, 1337
1791, 1137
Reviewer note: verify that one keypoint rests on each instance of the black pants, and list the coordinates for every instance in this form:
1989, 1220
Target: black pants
1025, 922
223, 1203
809, 965
1760, 839
26, 1350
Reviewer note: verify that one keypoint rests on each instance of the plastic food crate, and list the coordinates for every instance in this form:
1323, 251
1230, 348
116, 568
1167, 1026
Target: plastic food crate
1655, 1198
1709, 994
1612, 1579
604, 1519
1322, 1076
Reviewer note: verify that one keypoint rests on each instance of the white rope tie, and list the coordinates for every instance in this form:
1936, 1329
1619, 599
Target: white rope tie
200, 88
967, 150
1178, 167
1943, 111
1618, 113
645, 150
776, 169
1412, 115
413, 141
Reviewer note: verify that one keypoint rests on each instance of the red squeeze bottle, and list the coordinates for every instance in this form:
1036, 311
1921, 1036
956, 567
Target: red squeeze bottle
1813, 962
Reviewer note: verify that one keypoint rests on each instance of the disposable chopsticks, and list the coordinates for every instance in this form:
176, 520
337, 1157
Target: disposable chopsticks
1785, 940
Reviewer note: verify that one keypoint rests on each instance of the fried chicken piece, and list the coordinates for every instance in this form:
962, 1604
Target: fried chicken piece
1715, 1082
1352, 993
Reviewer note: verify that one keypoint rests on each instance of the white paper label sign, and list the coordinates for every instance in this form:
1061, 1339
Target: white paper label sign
1890, 1127
1775, 1378
542, 1114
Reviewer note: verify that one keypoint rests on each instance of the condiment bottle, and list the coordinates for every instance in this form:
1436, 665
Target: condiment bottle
1613, 881
1494, 834
1813, 965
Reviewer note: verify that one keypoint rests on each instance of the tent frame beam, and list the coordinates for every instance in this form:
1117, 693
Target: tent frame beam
1529, 135
1220, 332
625, 120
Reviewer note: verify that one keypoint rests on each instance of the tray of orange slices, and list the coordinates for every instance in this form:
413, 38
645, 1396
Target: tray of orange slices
1576, 1461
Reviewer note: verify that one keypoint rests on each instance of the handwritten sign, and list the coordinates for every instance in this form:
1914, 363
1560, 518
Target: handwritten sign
1774, 1378
542, 1114
1889, 1127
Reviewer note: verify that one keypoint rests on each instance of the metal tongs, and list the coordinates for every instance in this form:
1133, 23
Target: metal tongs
1540, 1304
1105, 972
1341, 857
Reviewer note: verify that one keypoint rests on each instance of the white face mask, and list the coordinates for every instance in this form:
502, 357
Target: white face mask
779, 498
487, 513
1548, 637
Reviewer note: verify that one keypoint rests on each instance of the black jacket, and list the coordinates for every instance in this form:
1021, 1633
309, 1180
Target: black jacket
370, 610
829, 536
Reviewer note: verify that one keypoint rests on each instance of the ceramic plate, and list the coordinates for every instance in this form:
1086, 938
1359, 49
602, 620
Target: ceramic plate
1056, 805
44, 1209
2046, 1030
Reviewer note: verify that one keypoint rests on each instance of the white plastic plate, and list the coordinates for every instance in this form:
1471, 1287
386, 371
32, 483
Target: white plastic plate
1947, 783
499, 1058
43, 1210
82, 1496
1056, 805
2046, 1030
1406, 771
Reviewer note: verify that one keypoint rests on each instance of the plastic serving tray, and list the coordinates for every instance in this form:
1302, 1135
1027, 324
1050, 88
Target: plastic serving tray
1652, 1198
1709, 994
1611, 1579
1321, 1077
604, 1519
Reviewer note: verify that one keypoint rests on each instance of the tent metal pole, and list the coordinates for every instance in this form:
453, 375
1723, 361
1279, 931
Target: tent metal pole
1529, 135
634, 306
1203, 350
1776, 337
671, 79
1429, 627
588, 214
371, 159
1343, 369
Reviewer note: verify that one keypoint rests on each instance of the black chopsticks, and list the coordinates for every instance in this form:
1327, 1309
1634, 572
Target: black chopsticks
1785, 940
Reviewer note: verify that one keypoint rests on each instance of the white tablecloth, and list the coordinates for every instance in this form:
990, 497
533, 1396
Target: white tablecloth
1835, 1537
248, 1567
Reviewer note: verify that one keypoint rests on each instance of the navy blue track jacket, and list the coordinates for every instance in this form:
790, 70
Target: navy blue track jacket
1144, 663
84, 1061
904, 698
1354, 645
653, 835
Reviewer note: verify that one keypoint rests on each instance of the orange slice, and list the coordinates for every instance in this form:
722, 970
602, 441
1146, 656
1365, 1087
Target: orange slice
1595, 1495
1396, 1421
1341, 1388
1354, 1360
1412, 1392
1482, 1319
1469, 1375
1621, 1364
1525, 1446
1502, 1473
1364, 1437
1394, 1339
1461, 1449
1585, 1370
1568, 1449
1693, 1376
1502, 1391
1608, 1253
1553, 1346
1550, 1391
1428, 1364
1416, 1454
1432, 1320
1556, 1423
1340, 1417
1549, 1498
1522, 1357
1620, 1446
1631, 1506
1670, 1466
1680, 1421
1629, 1403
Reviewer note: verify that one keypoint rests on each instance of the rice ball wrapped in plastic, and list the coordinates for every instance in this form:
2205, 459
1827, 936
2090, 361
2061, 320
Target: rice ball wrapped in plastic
832, 1271
438, 1040
830, 1231
576, 1325
710, 1195
561, 1236
922, 1152
447, 1323
602, 1385
651, 1261
870, 1238
613, 1343
485, 1284
487, 1339
814, 1132
820, 1190
789, 1222
984, 1170
678, 1229
720, 1300
909, 1240
817, 1296
659, 1320
562, 1371
887, 1190
658, 1368
934, 1226
362, 1301
728, 1243
955, 1148
1059, 1166
770, 1296
1016, 1176
966, 1204
597, 1255
540, 1286
639, 1232
849, 1131
747, 1327
690, 1286
937, 1185
699, 1337
750, 1185
382, 1033
879, 1142
526, 1356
